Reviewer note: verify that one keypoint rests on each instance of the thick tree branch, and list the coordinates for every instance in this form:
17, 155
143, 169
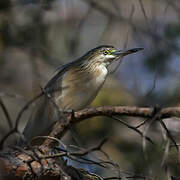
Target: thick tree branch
34, 162
76, 117
17, 164
40, 162
135, 111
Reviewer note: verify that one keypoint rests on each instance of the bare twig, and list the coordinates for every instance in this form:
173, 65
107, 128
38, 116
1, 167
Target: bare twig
154, 82
166, 151
79, 153
132, 127
6, 136
155, 116
49, 137
169, 134
143, 10
6, 113
15, 129
100, 8
26, 107
14, 95
86, 161
142, 123
127, 38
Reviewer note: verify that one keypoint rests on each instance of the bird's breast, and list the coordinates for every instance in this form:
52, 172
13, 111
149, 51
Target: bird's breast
100, 74
79, 88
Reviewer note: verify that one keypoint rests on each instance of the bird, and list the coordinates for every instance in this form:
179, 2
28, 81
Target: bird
74, 86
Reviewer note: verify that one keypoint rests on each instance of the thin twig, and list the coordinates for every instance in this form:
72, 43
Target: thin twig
14, 95
126, 41
143, 10
142, 123
169, 134
49, 137
132, 127
154, 82
86, 161
26, 107
79, 153
9, 120
6, 136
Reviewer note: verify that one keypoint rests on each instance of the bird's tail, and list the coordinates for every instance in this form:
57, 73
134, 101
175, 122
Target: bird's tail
43, 117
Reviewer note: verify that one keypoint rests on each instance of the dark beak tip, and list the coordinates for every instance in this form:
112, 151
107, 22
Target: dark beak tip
126, 52
137, 49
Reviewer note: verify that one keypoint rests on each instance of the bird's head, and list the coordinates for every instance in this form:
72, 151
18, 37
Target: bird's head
107, 54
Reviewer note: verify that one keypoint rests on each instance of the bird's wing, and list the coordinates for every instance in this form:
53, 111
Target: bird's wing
55, 83
45, 114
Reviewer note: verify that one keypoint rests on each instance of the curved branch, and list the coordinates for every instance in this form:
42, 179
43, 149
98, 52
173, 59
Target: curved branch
61, 127
16, 163
135, 111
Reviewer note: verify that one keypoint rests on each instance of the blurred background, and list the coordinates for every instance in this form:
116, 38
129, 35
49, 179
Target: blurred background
37, 37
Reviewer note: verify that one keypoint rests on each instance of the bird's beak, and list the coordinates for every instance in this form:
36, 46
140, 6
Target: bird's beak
121, 53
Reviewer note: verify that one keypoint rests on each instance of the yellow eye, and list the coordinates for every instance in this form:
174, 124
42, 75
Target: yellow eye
105, 52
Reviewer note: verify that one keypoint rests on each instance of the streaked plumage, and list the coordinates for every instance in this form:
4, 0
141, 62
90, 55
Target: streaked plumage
75, 86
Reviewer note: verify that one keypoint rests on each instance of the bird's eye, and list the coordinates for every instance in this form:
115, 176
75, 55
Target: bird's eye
105, 52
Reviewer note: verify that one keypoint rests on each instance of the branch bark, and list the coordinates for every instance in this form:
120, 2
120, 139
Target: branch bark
16, 164
145, 112
135, 111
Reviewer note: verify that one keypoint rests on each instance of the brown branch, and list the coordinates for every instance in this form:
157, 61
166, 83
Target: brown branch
41, 162
135, 111
32, 163
19, 165
60, 128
